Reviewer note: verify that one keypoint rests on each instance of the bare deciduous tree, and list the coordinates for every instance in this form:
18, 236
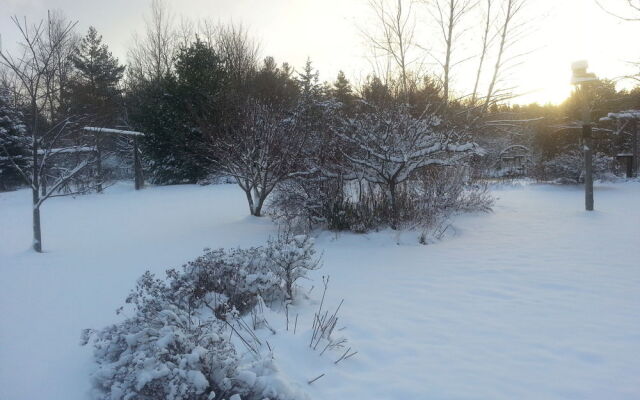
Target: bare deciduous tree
486, 41
510, 32
152, 55
385, 147
264, 149
58, 75
396, 37
42, 51
237, 50
449, 15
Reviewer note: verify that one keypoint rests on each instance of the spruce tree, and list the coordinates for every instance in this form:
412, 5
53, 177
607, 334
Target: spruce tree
178, 111
310, 89
342, 90
13, 144
95, 89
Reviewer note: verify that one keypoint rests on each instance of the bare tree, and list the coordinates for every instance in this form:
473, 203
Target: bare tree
264, 149
59, 73
152, 55
385, 147
449, 15
237, 50
510, 32
39, 55
396, 37
486, 41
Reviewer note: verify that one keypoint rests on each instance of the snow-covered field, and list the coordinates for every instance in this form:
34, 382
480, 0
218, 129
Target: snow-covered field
538, 300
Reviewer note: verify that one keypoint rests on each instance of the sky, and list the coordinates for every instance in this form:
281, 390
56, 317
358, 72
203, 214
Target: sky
330, 33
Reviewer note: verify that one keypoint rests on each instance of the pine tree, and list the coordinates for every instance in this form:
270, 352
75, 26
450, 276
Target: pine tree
275, 85
176, 112
13, 144
201, 79
310, 89
98, 73
342, 90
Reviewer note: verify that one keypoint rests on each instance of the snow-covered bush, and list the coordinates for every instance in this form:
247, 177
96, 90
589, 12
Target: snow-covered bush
243, 275
569, 166
164, 351
374, 176
424, 200
176, 343
387, 147
291, 258
236, 276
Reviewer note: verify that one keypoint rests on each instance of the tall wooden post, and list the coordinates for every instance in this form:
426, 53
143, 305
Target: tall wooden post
137, 166
634, 144
99, 163
588, 166
588, 152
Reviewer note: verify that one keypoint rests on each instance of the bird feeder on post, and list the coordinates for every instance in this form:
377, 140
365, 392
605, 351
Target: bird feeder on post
582, 79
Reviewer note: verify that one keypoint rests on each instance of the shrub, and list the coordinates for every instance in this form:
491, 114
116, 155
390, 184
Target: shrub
432, 194
569, 166
164, 351
177, 346
239, 275
291, 257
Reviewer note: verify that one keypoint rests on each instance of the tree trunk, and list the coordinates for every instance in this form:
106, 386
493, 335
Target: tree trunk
258, 209
37, 233
250, 201
498, 66
392, 197
289, 285
35, 182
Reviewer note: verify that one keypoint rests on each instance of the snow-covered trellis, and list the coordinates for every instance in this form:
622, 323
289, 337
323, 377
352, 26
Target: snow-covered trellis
137, 164
513, 160
628, 118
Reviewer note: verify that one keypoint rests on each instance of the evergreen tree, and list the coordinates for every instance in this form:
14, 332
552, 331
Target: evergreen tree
310, 89
95, 88
13, 144
201, 80
342, 90
275, 85
178, 111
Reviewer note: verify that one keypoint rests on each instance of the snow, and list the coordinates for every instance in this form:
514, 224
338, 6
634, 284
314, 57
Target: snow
628, 114
538, 300
109, 130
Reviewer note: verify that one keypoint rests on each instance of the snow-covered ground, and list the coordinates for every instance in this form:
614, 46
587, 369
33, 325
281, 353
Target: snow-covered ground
538, 300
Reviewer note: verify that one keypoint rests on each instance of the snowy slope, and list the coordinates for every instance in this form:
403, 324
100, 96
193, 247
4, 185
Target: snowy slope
538, 300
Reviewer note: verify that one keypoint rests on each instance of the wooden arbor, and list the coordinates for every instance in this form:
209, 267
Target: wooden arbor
628, 118
137, 164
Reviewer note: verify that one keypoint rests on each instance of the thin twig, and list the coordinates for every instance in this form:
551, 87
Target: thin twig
315, 379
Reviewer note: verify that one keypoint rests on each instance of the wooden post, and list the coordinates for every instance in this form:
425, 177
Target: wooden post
588, 152
99, 162
588, 166
137, 166
634, 150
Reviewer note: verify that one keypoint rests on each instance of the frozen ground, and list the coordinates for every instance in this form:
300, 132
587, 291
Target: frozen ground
538, 300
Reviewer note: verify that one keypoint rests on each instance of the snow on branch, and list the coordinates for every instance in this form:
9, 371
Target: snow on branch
264, 149
622, 115
109, 130
386, 147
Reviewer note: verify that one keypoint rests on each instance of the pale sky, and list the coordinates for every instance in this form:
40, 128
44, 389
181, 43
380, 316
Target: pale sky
328, 31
